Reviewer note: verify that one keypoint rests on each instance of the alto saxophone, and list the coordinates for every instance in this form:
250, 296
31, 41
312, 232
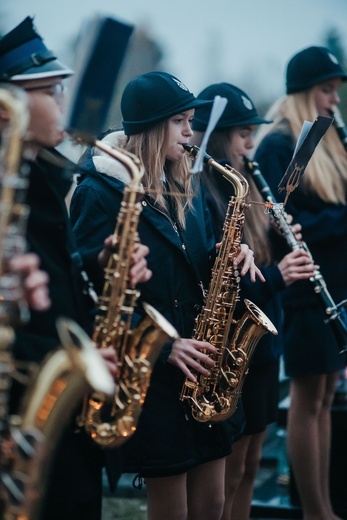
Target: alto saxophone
215, 397
13, 213
137, 349
50, 401
64, 377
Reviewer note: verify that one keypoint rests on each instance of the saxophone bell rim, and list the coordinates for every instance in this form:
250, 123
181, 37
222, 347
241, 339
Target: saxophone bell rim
97, 373
260, 317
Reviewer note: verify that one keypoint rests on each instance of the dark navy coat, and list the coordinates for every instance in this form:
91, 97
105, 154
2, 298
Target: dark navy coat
310, 347
75, 488
166, 442
49, 236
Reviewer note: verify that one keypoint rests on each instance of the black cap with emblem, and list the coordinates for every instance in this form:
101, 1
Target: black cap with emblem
239, 110
310, 67
153, 97
24, 56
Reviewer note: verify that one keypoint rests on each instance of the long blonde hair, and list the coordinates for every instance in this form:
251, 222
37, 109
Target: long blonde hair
150, 148
256, 228
326, 173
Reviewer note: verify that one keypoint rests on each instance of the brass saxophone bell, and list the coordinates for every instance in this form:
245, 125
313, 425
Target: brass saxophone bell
215, 397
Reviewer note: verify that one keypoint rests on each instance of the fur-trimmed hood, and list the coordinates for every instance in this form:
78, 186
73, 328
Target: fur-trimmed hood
95, 159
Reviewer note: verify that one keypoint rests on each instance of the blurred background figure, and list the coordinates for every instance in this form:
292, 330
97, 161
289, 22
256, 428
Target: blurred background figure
75, 485
311, 354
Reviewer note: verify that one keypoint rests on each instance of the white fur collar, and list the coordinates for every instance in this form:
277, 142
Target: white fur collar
106, 164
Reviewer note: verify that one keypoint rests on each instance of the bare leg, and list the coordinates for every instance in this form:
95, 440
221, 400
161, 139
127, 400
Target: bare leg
309, 436
167, 498
201, 490
205, 485
243, 497
241, 469
234, 471
325, 438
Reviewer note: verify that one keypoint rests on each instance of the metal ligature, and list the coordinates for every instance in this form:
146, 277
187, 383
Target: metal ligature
340, 126
137, 349
59, 383
336, 314
215, 397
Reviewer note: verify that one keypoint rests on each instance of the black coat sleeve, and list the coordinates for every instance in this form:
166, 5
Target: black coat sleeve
91, 224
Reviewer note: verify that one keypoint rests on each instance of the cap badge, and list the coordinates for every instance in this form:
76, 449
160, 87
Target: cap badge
247, 102
180, 84
333, 58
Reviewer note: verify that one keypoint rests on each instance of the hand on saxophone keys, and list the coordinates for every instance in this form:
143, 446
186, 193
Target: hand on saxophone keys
191, 353
35, 281
109, 355
139, 272
245, 259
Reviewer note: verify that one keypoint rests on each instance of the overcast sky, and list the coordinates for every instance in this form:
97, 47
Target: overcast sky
240, 41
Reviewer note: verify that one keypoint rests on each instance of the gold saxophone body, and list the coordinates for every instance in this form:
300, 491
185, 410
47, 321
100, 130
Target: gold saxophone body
137, 349
29, 438
215, 397
52, 396
13, 215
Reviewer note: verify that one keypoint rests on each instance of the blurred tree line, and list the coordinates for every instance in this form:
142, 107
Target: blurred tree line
144, 53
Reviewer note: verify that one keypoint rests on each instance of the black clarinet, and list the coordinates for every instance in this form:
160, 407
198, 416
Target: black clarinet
336, 315
339, 126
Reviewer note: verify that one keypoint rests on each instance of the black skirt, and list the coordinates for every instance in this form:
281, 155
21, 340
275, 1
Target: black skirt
260, 397
310, 347
167, 440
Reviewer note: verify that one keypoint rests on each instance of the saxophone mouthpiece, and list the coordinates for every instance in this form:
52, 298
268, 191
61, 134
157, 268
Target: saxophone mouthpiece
188, 148
194, 150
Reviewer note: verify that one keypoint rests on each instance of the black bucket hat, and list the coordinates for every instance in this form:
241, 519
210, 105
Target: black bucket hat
310, 67
24, 56
152, 97
238, 111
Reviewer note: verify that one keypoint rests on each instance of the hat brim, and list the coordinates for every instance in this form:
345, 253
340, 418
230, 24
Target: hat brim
300, 88
49, 69
132, 127
256, 120
200, 126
